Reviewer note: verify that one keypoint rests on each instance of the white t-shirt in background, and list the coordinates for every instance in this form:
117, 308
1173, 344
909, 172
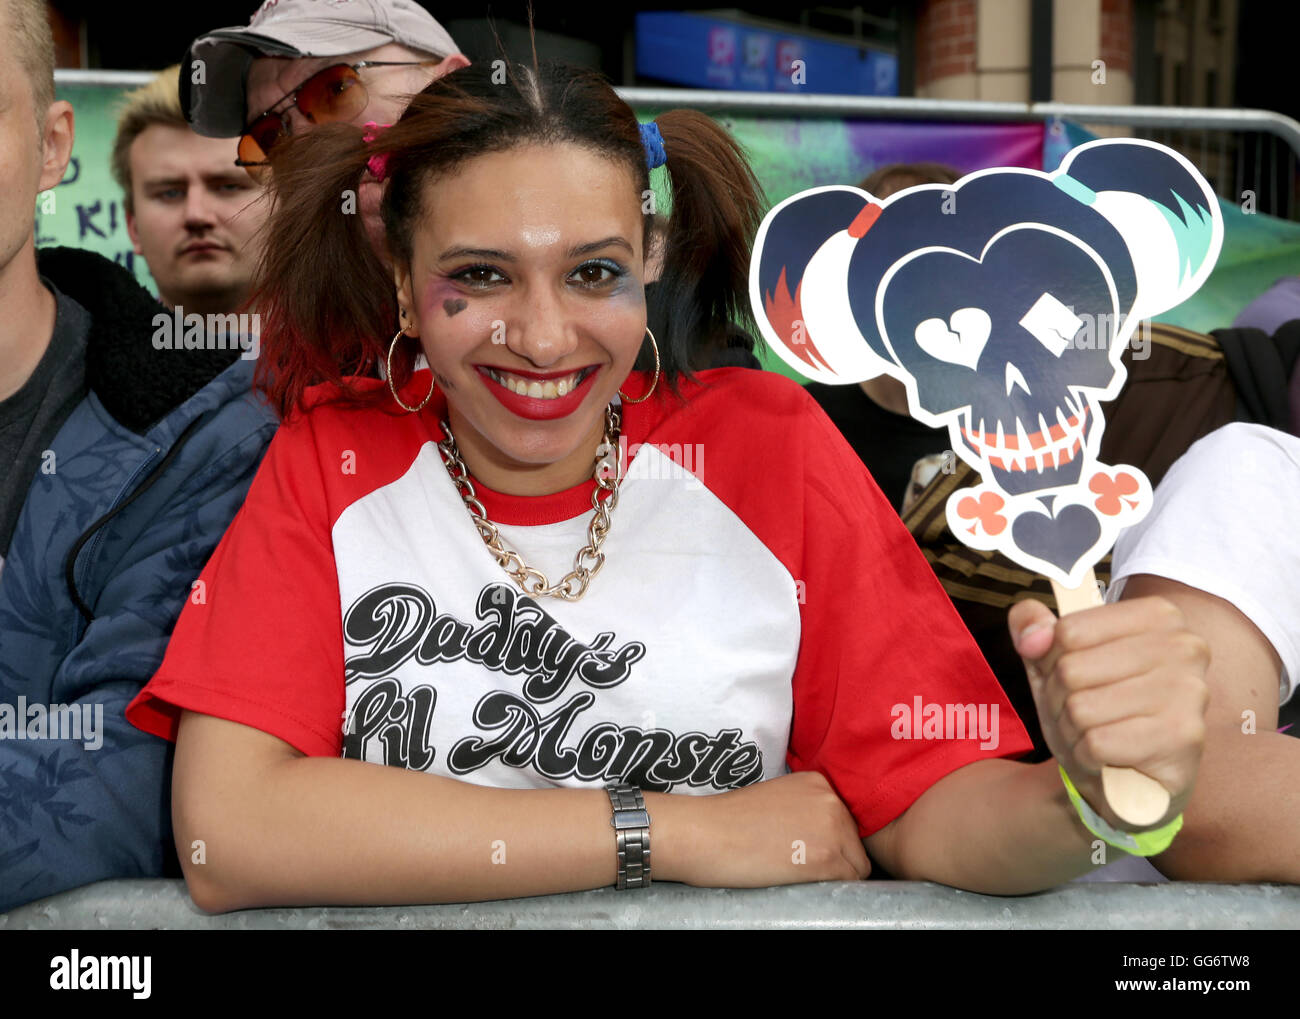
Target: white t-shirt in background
1226, 521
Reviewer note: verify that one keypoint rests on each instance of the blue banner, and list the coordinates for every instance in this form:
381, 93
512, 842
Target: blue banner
703, 52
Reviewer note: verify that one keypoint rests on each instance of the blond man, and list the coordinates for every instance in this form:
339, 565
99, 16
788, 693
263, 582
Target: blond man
192, 215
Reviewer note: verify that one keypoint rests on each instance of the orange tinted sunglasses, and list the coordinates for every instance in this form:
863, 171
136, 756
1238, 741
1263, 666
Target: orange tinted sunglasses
328, 96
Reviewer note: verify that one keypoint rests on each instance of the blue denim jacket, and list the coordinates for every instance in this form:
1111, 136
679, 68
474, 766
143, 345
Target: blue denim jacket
149, 470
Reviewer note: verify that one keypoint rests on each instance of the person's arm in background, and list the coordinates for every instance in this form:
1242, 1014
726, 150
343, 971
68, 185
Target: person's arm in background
1220, 542
71, 814
1240, 824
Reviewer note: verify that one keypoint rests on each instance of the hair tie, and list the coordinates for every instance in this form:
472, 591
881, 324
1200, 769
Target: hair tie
653, 143
378, 164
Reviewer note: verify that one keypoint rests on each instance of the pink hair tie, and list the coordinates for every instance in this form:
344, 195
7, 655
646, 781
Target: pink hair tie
378, 164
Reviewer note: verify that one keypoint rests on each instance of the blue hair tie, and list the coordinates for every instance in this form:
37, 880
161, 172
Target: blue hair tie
653, 143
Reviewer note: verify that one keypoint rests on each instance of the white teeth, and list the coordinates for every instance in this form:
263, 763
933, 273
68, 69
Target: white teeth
1002, 439
1042, 430
536, 389
1062, 420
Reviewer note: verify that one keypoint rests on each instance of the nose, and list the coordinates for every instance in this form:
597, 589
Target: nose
200, 213
541, 330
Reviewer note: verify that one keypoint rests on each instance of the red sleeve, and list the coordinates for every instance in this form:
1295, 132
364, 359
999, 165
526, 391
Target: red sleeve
260, 640
878, 633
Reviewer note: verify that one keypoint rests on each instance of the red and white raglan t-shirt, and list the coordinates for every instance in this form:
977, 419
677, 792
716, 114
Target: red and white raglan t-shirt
761, 609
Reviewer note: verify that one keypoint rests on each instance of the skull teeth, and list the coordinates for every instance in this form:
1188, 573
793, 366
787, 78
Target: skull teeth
1022, 440
1050, 446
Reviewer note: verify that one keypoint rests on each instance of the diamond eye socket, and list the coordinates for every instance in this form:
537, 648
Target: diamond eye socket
1052, 324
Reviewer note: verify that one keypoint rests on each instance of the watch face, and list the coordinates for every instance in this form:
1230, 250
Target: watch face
636, 818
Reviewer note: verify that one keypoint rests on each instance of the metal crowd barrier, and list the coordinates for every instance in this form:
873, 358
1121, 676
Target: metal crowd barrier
1237, 150
755, 104
862, 905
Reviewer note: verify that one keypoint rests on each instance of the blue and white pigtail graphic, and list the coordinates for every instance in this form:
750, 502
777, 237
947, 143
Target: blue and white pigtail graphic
1003, 303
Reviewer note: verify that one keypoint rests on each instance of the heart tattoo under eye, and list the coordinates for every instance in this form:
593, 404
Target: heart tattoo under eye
454, 307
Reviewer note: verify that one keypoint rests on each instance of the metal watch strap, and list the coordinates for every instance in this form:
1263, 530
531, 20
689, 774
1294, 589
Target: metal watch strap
631, 823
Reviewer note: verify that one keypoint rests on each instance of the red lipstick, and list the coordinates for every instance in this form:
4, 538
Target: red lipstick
535, 409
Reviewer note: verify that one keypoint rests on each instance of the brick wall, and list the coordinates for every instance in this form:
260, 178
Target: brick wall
945, 40
1117, 34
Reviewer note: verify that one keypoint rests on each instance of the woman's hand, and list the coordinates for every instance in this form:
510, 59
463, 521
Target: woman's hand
786, 830
1120, 685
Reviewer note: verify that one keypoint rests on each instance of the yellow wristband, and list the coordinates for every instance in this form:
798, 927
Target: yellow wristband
1147, 843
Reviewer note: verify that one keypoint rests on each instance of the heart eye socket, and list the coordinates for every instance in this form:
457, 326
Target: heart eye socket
963, 343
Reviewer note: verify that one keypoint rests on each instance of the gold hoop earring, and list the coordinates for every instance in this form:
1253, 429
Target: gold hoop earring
393, 389
653, 384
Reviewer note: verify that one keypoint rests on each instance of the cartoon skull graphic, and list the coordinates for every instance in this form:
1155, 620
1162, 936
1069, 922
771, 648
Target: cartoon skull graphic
1011, 351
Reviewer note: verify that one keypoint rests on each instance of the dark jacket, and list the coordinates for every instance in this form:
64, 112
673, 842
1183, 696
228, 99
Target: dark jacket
149, 470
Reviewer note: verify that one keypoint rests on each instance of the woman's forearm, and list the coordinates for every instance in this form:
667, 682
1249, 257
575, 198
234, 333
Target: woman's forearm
259, 824
994, 826
324, 830
319, 830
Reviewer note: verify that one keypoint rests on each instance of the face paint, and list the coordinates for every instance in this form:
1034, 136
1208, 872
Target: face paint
530, 254
540, 237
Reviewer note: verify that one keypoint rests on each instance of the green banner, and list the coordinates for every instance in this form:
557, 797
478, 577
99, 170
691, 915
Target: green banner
85, 210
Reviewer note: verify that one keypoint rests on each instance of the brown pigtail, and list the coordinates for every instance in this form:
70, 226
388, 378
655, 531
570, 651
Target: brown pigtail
717, 204
327, 300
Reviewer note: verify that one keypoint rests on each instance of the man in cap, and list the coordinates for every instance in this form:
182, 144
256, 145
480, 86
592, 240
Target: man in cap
304, 62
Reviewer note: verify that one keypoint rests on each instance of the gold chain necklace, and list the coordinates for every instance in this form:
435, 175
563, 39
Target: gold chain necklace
589, 560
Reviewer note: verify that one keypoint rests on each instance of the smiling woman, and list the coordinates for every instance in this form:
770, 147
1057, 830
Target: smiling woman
510, 578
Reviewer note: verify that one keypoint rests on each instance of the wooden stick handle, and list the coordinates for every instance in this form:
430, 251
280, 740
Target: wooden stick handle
1136, 798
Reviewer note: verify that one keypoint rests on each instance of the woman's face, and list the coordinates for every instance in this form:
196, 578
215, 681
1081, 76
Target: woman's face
525, 289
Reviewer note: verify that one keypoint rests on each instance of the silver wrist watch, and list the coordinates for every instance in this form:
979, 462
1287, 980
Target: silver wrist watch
631, 824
